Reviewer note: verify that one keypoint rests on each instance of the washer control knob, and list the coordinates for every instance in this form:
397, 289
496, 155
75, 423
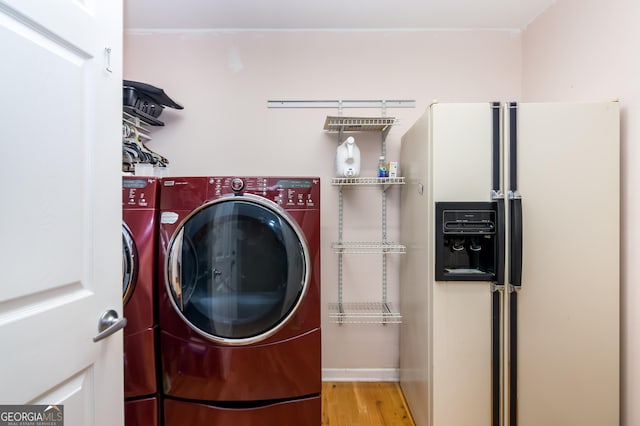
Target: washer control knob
237, 184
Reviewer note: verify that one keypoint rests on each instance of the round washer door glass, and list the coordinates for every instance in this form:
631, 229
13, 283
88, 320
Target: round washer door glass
237, 269
128, 263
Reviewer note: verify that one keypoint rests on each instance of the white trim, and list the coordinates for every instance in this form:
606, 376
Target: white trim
152, 30
360, 375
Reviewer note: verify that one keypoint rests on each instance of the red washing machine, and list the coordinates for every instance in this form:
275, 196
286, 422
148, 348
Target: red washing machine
239, 302
139, 294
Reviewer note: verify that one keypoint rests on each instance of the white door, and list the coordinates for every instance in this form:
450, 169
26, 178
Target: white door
60, 214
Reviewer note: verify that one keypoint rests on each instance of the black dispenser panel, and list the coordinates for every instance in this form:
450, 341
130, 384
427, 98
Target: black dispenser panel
466, 241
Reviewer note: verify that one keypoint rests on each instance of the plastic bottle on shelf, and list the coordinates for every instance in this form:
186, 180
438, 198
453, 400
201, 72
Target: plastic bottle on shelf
383, 168
348, 159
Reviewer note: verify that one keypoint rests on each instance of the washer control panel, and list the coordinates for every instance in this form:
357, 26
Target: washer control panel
288, 192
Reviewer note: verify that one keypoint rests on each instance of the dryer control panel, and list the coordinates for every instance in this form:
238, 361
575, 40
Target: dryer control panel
288, 192
139, 192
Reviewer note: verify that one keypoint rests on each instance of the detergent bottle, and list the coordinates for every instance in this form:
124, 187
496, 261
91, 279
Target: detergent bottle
383, 167
348, 159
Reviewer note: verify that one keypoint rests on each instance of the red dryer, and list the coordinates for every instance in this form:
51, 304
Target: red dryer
139, 296
239, 301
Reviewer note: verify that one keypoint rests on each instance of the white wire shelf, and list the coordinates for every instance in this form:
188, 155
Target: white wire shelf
131, 124
368, 181
364, 313
367, 247
358, 124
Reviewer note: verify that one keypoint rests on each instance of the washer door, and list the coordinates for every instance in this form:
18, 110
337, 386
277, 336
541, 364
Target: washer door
129, 260
237, 269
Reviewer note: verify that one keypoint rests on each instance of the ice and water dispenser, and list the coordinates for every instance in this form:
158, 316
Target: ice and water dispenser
467, 241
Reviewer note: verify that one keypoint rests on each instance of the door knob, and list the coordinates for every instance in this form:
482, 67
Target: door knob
108, 324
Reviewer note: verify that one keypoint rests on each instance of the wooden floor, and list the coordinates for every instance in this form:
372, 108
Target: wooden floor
364, 404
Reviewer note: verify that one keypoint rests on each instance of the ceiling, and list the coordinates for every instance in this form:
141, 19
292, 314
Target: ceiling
331, 14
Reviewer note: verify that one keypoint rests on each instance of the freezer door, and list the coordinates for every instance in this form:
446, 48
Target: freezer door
460, 170
445, 336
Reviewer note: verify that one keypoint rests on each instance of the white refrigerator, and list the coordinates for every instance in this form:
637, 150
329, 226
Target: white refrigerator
509, 289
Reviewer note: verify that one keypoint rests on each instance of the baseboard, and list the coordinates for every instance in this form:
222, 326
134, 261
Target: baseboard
360, 375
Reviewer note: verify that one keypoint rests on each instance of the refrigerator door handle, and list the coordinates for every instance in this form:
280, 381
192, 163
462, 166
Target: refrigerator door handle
515, 240
513, 357
500, 246
496, 190
497, 351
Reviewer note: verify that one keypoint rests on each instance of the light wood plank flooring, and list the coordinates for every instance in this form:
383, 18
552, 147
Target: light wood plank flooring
364, 404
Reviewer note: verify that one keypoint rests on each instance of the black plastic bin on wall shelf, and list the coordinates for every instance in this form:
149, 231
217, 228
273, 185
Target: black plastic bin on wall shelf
146, 101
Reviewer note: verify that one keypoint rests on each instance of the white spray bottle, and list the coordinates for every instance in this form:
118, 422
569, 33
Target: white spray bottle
348, 159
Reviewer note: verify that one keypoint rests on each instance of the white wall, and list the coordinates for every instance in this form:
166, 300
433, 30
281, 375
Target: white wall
587, 50
224, 81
